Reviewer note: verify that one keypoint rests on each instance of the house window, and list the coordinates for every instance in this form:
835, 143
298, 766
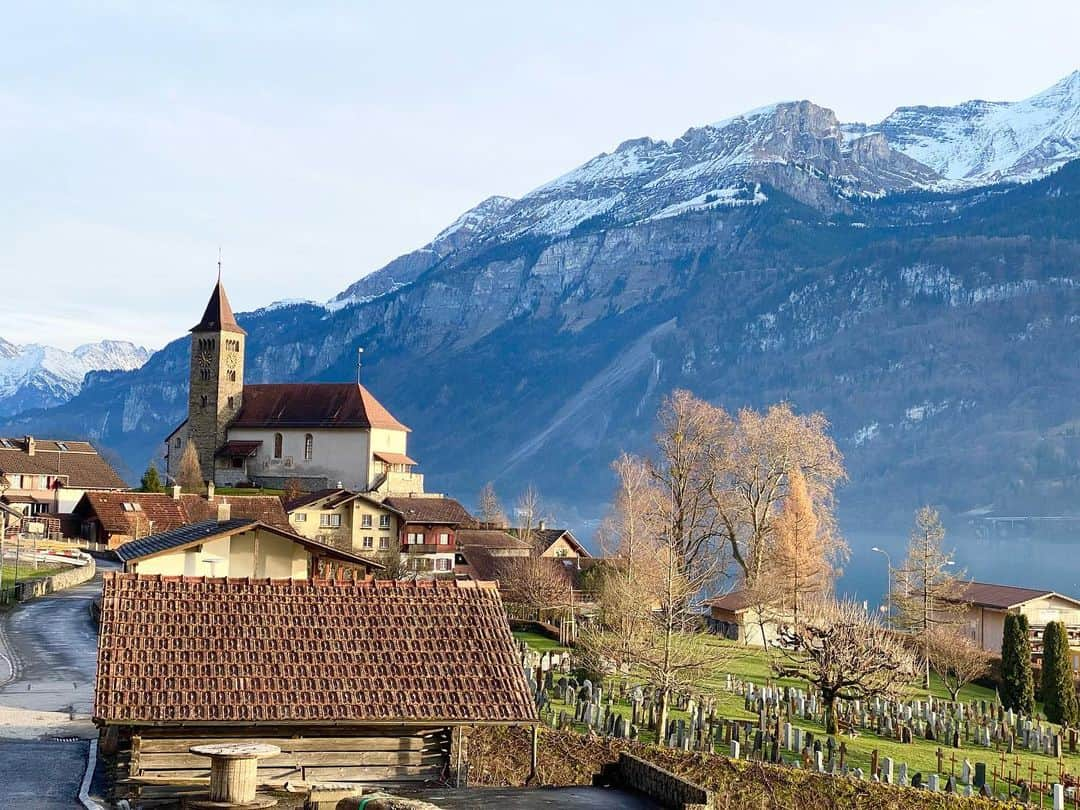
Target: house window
277, 445
238, 463
231, 400
444, 538
178, 441
365, 521
415, 538
300, 517
384, 542
369, 542
384, 521
330, 521
442, 564
309, 446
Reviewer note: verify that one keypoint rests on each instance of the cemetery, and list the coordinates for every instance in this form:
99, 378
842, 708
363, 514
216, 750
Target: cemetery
969, 748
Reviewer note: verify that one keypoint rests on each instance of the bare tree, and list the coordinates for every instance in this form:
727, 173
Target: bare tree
529, 517
924, 588
395, 565
799, 565
541, 584
294, 488
190, 474
750, 478
845, 653
957, 659
491, 511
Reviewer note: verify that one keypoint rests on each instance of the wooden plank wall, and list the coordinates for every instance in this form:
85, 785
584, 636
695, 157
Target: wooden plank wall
159, 757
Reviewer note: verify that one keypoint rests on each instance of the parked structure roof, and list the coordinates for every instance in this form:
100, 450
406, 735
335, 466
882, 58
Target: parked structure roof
218, 315
160, 511
312, 405
78, 464
545, 538
227, 651
1001, 597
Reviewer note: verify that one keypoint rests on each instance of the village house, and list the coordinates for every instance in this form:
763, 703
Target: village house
346, 519
228, 546
320, 435
45, 478
553, 542
428, 534
110, 519
353, 681
735, 617
984, 607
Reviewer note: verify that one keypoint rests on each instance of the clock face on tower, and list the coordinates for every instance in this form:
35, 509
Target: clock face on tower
205, 359
230, 361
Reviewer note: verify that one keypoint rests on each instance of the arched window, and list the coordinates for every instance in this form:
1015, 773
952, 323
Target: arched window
277, 445
309, 447
232, 376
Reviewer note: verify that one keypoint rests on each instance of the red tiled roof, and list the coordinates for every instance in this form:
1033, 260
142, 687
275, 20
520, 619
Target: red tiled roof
430, 509
734, 601
997, 596
266, 509
327, 405
81, 464
394, 458
160, 512
199, 650
218, 315
239, 449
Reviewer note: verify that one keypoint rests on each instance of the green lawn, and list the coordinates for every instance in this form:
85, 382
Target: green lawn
538, 642
751, 664
26, 571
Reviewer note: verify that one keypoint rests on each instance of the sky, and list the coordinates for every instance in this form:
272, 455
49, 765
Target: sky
314, 142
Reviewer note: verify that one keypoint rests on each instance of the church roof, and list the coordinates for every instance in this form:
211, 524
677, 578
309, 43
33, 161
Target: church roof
312, 405
218, 316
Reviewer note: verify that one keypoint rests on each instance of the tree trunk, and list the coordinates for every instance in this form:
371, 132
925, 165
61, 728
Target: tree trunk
831, 724
661, 720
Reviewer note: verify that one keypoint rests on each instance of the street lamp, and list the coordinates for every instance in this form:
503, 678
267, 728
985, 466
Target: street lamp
888, 580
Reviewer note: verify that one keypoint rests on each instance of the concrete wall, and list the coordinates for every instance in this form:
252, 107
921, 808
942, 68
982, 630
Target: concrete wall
276, 557
663, 786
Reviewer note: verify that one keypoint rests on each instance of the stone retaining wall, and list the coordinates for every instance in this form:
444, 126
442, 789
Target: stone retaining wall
663, 786
33, 588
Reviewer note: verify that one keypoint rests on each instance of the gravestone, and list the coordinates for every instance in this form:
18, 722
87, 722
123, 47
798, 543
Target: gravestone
887, 770
734, 749
933, 783
980, 775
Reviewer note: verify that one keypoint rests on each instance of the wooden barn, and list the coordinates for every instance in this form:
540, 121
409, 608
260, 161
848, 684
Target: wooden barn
360, 681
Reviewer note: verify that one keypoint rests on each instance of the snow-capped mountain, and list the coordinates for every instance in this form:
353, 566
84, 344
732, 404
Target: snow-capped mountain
981, 142
37, 376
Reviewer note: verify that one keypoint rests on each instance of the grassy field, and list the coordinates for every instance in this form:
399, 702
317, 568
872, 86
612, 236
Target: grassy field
26, 571
751, 664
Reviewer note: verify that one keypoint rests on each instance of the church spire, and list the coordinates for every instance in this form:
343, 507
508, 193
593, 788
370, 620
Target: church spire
218, 316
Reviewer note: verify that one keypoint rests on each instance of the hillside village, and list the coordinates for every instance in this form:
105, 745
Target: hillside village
284, 606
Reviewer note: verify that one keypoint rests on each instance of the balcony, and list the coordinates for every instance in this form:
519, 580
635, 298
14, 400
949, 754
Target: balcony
428, 548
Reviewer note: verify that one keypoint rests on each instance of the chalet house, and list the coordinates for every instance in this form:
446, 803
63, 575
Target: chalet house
346, 519
111, 519
985, 606
428, 534
239, 547
353, 681
553, 542
319, 434
48, 476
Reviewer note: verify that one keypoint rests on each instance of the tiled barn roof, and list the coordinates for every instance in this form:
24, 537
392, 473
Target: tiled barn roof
161, 512
201, 650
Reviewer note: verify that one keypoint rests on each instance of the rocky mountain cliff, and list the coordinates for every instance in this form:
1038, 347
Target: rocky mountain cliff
775, 255
36, 376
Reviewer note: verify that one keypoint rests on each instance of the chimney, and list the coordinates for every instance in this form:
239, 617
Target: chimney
31, 445
224, 512
176, 492
209, 490
540, 525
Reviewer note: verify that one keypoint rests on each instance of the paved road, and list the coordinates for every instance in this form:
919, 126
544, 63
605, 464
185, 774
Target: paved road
42, 775
48, 650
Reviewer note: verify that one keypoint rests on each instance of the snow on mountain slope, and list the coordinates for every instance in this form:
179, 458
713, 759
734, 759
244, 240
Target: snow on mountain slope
980, 142
33, 375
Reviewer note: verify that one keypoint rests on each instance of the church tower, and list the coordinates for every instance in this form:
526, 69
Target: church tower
217, 377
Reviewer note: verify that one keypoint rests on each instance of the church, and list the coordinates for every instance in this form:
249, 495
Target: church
321, 435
